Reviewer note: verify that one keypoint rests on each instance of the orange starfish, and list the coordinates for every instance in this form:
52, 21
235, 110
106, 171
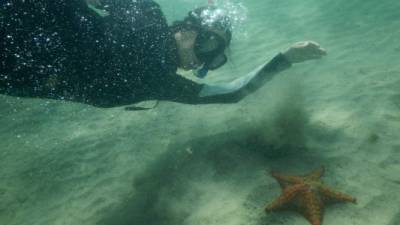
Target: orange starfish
306, 194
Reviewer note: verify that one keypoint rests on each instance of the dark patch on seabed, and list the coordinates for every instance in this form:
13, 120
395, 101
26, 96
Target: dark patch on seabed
162, 195
395, 220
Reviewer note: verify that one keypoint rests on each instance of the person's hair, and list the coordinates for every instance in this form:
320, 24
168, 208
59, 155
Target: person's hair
196, 20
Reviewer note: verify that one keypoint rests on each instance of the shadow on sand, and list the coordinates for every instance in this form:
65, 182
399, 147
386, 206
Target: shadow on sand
164, 193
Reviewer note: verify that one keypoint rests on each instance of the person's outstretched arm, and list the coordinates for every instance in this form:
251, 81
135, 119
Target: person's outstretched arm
187, 91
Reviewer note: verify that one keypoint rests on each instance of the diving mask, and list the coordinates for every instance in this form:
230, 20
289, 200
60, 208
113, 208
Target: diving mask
209, 48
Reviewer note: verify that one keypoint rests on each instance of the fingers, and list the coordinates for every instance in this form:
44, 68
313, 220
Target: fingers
307, 43
313, 43
318, 50
318, 55
323, 51
300, 44
305, 50
310, 45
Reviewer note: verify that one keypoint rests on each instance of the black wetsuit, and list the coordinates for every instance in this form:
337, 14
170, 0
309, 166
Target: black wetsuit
61, 49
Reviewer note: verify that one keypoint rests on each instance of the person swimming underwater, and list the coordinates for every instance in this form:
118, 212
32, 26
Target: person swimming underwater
109, 53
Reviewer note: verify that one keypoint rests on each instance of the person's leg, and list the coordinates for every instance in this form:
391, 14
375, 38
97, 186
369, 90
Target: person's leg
41, 46
96, 6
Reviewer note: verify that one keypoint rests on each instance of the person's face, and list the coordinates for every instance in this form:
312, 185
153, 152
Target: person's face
185, 41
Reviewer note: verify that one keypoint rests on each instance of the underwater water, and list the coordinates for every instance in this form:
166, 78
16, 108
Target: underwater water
63, 162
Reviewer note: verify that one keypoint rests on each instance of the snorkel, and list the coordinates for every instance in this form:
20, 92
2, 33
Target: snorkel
203, 71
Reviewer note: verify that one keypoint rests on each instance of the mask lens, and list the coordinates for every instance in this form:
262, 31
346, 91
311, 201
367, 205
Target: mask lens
208, 44
209, 48
217, 62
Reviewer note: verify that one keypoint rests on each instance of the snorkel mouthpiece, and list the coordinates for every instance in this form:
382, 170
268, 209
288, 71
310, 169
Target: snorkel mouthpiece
201, 73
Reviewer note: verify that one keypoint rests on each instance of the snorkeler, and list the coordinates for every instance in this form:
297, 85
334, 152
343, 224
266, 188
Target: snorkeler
110, 53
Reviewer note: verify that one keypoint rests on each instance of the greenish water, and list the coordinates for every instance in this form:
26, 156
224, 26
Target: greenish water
64, 163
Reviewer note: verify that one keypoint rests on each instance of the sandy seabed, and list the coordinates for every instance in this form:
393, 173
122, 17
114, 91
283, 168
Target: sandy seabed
64, 163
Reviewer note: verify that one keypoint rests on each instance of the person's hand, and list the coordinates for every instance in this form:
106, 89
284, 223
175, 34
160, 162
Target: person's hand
303, 51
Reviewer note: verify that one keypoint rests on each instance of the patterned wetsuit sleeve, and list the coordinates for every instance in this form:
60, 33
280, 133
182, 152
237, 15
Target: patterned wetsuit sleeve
188, 91
179, 89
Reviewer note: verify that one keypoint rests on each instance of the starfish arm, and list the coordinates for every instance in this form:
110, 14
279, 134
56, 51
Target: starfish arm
287, 196
316, 174
331, 195
312, 207
307, 195
285, 180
